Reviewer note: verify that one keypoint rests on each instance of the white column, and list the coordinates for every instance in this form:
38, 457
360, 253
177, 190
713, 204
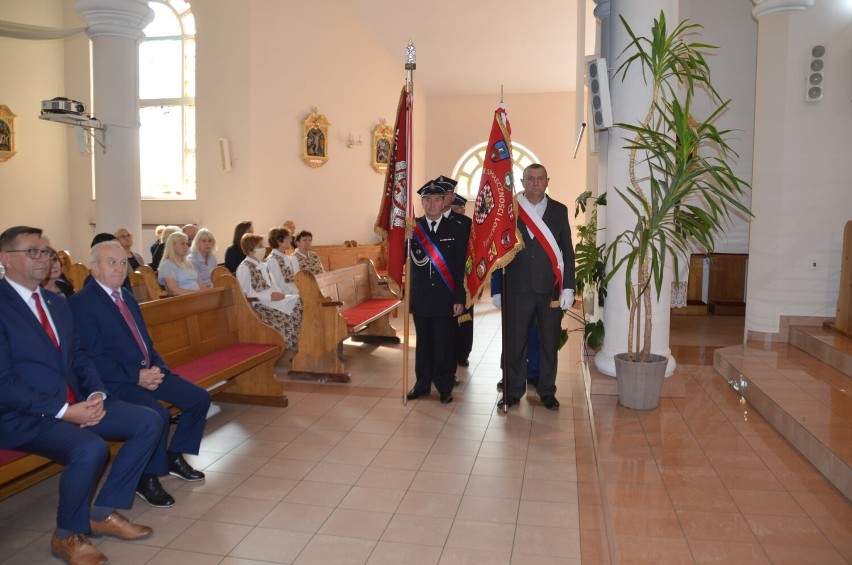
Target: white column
630, 101
767, 289
115, 28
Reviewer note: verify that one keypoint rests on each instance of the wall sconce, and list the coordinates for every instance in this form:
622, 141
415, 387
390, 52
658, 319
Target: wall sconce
352, 142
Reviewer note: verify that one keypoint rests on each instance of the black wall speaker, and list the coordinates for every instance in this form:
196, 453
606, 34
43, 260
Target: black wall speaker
816, 74
599, 88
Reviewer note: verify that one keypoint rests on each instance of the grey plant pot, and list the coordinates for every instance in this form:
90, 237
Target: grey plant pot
640, 384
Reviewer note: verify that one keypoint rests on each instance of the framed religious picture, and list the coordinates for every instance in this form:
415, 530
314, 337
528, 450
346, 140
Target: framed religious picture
7, 133
382, 146
315, 140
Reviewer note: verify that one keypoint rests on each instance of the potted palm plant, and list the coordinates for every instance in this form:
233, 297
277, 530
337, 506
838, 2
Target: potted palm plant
688, 191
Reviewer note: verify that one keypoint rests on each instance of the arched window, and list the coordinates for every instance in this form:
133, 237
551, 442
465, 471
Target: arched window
468, 171
167, 103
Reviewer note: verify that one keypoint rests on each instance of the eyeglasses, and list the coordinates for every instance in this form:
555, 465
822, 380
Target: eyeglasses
36, 253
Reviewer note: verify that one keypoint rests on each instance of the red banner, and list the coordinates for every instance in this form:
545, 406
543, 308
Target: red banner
390, 224
494, 239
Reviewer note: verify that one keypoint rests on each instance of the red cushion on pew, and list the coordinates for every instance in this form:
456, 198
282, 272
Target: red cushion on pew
357, 315
9, 455
211, 363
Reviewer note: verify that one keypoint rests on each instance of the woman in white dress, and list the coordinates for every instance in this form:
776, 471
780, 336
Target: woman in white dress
275, 307
282, 267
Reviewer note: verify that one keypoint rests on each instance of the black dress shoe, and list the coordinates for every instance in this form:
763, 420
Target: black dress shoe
500, 385
414, 393
178, 467
550, 402
507, 401
464, 363
446, 398
151, 491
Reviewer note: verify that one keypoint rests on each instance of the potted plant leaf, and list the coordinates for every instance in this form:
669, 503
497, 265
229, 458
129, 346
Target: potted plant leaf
589, 273
688, 191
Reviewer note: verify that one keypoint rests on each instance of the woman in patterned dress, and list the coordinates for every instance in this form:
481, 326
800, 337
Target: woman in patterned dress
277, 309
282, 268
308, 260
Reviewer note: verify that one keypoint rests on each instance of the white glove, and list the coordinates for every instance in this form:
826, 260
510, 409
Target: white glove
495, 300
567, 298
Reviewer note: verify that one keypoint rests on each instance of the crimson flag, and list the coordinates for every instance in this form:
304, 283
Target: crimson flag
494, 239
390, 224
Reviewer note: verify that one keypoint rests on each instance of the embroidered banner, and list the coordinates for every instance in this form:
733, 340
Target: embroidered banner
390, 223
494, 238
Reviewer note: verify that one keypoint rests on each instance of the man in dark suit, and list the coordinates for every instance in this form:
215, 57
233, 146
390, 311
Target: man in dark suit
111, 328
454, 209
540, 285
437, 294
53, 403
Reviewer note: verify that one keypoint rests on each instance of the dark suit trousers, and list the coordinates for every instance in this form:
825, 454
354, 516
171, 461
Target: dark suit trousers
435, 356
84, 453
464, 337
194, 403
522, 309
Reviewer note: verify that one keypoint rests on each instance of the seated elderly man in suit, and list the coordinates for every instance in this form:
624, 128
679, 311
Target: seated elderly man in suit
111, 328
53, 403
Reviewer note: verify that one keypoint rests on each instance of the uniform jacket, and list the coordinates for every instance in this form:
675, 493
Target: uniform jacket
430, 297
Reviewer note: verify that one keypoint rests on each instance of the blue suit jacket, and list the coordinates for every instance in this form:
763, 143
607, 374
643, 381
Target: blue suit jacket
33, 373
108, 339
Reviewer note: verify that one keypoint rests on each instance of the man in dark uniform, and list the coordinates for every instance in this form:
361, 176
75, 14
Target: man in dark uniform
454, 210
540, 284
438, 251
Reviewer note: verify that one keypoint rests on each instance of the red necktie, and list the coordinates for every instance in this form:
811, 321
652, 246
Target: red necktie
131, 323
45, 323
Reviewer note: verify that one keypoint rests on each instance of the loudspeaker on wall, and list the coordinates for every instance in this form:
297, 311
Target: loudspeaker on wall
225, 154
599, 88
814, 86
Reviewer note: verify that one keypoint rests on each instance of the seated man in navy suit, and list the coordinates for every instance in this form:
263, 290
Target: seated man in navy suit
111, 328
53, 403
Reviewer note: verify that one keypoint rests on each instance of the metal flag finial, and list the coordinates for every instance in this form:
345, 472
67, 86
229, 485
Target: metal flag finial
410, 56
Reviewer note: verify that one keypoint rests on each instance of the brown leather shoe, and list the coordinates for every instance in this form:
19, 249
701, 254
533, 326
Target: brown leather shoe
76, 550
119, 527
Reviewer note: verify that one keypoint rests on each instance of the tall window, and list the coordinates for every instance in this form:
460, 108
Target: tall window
468, 171
167, 103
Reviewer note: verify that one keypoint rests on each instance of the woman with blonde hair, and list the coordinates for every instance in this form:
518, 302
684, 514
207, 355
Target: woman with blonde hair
202, 255
282, 268
176, 273
276, 308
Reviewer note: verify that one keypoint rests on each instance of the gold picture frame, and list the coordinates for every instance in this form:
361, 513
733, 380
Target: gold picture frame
315, 140
382, 147
7, 133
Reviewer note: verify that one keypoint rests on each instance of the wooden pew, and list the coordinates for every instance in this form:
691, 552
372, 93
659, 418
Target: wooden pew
76, 275
149, 275
350, 302
335, 257
212, 338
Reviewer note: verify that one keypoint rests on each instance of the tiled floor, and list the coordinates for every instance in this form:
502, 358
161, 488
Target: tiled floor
346, 474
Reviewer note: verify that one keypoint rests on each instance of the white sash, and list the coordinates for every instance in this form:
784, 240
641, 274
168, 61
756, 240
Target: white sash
549, 240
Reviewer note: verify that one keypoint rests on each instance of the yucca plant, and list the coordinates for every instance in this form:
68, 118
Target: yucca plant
690, 187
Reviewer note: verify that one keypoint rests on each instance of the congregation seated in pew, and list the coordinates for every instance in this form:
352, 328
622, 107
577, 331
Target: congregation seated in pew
176, 273
277, 309
308, 260
282, 268
202, 255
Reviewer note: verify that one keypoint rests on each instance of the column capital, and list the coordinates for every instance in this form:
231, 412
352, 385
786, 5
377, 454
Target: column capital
121, 18
602, 10
764, 7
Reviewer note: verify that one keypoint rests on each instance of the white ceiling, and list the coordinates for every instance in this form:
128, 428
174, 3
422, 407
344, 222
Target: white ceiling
468, 47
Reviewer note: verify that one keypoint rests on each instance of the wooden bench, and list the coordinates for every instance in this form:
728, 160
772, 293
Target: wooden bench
212, 338
336, 257
350, 302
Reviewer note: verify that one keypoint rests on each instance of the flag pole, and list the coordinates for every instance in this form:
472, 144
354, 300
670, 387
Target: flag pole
410, 65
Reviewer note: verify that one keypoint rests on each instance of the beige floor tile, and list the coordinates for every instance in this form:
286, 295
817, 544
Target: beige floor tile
264, 488
264, 544
318, 494
336, 473
350, 455
386, 478
420, 530
217, 538
391, 553
306, 518
543, 513
372, 499
488, 509
356, 524
724, 552
441, 483
285, 469
429, 504
467, 534
546, 542
494, 487
331, 550
461, 556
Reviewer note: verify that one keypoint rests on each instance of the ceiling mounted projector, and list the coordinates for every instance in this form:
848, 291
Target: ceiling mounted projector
60, 105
